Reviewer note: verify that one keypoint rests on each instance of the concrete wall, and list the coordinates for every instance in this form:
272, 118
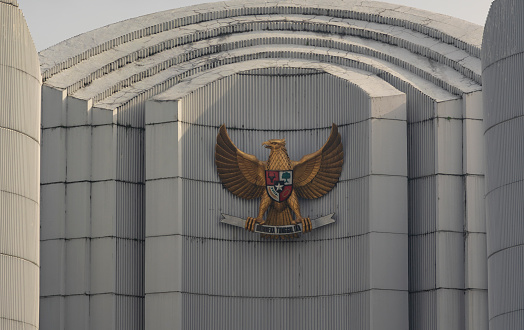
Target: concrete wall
20, 83
502, 65
94, 105
214, 275
92, 228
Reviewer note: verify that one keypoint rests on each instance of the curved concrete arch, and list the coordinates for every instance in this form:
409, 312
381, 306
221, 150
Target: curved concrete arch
422, 45
365, 81
434, 25
441, 75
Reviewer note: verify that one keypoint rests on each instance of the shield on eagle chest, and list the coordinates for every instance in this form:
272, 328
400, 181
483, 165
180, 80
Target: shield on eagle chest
279, 185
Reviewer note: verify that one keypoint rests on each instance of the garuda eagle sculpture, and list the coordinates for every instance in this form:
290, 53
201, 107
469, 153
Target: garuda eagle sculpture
279, 181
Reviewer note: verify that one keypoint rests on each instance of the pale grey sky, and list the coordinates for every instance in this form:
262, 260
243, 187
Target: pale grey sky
51, 21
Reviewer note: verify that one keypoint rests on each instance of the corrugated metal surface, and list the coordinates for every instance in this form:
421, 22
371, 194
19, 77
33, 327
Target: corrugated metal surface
505, 296
422, 149
505, 143
316, 100
19, 228
328, 263
19, 113
504, 216
19, 160
337, 312
19, 172
437, 310
502, 64
17, 49
296, 269
513, 320
503, 95
129, 313
19, 285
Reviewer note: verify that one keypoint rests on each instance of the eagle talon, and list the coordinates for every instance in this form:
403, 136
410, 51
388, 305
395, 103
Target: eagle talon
250, 224
306, 224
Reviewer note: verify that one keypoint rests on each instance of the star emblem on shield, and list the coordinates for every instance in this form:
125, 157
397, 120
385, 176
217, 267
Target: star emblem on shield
279, 185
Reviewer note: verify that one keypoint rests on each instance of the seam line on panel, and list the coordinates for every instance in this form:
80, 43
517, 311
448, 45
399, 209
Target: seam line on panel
446, 174
21, 133
16, 6
501, 59
502, 122
19, 258
506, 248
438, 231
273, 241
438, 174
19, 195
19, 321
503, 186
92, 238
445, 118
218, 182
276, 297
18, 69
91, 294
93, 125
513, 311
274, 130
436, 289
140, 183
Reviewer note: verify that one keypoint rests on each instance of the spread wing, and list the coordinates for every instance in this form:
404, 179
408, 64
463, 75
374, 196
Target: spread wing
317, 173
242, 174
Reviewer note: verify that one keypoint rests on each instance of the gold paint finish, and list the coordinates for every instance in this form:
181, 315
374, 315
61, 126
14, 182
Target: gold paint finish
313, 176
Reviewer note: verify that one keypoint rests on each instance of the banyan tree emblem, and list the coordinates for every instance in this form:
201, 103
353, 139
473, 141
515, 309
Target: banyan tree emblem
279, 182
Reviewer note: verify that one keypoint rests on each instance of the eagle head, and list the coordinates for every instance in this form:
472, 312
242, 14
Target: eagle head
275, 144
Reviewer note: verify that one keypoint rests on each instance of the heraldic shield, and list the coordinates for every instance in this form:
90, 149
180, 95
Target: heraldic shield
279, 185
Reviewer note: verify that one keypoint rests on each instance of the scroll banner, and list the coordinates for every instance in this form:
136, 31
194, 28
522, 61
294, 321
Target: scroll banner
278, 230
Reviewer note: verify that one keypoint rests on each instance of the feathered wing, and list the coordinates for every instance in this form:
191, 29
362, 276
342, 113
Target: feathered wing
317, 173
242, 174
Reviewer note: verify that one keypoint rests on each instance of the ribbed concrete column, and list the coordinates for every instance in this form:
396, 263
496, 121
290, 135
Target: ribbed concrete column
19, 171
503, 81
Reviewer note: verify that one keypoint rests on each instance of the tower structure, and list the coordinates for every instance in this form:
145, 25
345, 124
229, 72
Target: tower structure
503, 81
20, 84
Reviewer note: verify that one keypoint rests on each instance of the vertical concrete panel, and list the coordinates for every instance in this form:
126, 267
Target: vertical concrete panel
20, 83
332, 271
502, 66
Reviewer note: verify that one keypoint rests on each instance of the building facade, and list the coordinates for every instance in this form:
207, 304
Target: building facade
131, 232
131, 203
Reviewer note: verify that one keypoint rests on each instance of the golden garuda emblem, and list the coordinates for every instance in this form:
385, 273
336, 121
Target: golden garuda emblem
279, 182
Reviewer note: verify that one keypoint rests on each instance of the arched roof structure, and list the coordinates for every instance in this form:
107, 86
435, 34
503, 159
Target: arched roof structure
435, 56
404, 86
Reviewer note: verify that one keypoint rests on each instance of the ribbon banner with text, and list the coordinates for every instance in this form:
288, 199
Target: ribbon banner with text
278, 230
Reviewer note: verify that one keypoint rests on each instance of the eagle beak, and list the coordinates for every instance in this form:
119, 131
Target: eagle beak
266, 144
